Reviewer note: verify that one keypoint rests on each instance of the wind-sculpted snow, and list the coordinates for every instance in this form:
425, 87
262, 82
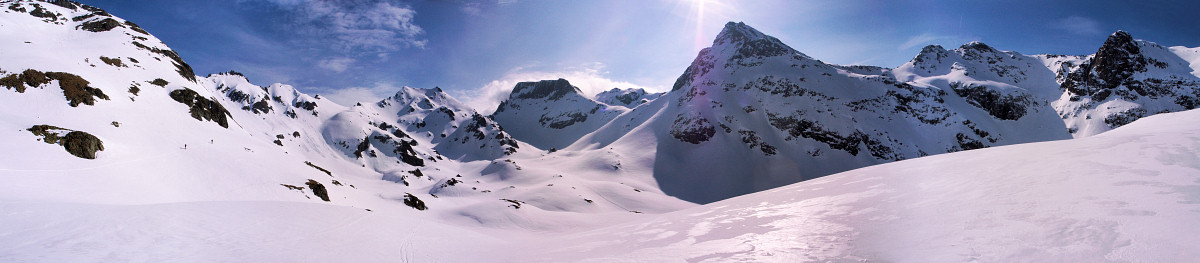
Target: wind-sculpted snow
1126, 195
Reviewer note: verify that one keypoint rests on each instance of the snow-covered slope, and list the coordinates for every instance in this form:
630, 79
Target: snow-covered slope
552, 114
114, 150
97, 111
751, 114
155, 131
1125, 195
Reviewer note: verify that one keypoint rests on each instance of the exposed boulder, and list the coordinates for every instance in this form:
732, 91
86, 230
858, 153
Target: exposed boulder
77, 143
412, 201
318, 189
100, 25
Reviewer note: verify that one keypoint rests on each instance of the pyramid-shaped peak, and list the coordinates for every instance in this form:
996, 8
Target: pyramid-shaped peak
1118, 39
738, 32
933, 49
1118, 45
1121, 34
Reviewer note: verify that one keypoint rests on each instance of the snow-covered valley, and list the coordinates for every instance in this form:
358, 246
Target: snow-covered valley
113, 149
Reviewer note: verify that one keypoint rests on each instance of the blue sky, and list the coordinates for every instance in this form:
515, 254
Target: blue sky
362, 50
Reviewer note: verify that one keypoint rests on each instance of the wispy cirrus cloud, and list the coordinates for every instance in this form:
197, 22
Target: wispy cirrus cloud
352, 26
928, 38
1078, 25
922, 39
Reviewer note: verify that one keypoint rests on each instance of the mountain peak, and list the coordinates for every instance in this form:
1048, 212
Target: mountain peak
549, 89
1119, 47
978, 46
1121, 40
738, 32
933, 49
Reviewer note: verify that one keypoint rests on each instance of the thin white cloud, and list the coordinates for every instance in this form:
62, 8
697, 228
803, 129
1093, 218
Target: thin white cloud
353, 26
590, 79
335, 64
1078, 25
473, 8
352, 95
922, 39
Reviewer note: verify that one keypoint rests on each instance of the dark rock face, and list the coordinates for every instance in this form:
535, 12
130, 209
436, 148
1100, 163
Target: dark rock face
967, 143
564, 120
414, 202
1112, 66
318, 189
159, 82
136, 28
74, 88
202, 108
261, 106
101, 25
29, 77
751, 43
548, 89
700, 66
479, 123
1125, 117
307, 105
403, 145
1001, 106
694, 130
407, 154
1113, 73
314, 166
628, 99
930, 57
362, 147
64, 3
798, 127
181, 67
77, 143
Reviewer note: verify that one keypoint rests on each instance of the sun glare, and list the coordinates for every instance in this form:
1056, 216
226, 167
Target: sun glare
700, 12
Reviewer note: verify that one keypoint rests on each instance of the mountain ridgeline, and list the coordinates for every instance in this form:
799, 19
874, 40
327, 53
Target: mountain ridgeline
750, 113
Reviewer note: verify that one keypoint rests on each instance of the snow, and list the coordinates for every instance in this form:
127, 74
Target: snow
1126, 195
1191, 55
170, 187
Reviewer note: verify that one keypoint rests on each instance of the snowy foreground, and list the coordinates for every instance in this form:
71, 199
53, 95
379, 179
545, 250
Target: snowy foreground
1132, 194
